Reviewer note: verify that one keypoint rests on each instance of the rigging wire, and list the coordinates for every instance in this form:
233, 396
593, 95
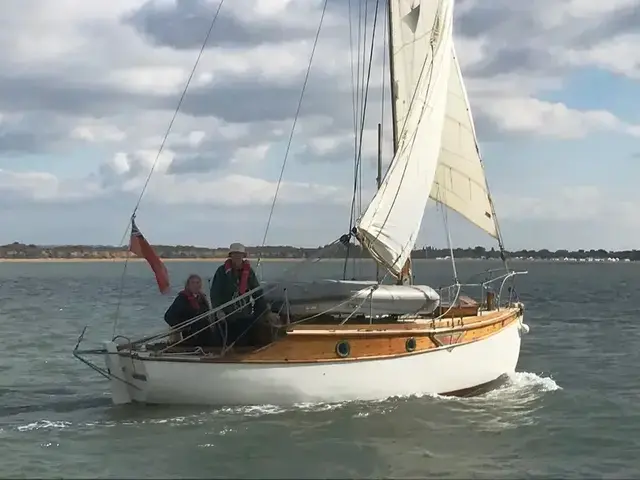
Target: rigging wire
356, 102
358, 92
364, 52
364, 105
353, 84
175, 114
160, 150
445, 219
362, 124
293, 128
358, 151
362, 37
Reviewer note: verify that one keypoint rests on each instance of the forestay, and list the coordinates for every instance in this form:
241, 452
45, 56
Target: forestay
422, 38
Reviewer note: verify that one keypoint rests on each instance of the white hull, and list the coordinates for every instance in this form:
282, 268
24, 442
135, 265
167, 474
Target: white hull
437, 371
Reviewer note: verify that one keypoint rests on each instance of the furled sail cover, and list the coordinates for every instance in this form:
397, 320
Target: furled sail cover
460, 182
422, 38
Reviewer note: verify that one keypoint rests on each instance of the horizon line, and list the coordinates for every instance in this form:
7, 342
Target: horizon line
255, 247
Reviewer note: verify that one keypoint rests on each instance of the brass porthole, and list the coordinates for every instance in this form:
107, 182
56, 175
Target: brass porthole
343, 349
410, 344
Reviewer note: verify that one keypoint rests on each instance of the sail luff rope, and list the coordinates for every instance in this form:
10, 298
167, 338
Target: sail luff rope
293, 128
157, 158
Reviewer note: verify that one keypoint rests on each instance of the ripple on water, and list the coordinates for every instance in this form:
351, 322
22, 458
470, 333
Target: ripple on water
55, 416
515, 396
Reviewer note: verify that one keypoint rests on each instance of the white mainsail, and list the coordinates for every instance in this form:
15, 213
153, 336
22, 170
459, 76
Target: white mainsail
422, 39
460, 182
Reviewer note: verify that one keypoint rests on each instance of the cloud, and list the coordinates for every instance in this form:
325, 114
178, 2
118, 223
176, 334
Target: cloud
526, 49
18, 187
99, 82
578, 216
182, 24
127, 174
533, 116
581, 202
618, 54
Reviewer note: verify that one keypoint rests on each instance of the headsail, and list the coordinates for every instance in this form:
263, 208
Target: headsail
460, 182
422, 38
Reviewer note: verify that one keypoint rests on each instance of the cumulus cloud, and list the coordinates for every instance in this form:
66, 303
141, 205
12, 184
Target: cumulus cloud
42, 187
532, 116
104, 78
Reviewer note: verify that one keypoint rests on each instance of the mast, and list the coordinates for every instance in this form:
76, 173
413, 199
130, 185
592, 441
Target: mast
392, 83
379, 181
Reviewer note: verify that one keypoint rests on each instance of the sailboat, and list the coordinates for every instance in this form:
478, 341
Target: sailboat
361, 340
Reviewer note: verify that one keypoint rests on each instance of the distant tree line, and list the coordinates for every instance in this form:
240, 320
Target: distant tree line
19, 250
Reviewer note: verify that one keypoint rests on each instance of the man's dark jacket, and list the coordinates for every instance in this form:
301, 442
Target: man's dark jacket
225, 286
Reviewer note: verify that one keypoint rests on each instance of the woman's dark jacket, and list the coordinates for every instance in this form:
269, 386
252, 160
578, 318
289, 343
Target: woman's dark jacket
185, 308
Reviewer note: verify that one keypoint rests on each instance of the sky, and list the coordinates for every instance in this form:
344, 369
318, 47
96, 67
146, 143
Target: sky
87, 91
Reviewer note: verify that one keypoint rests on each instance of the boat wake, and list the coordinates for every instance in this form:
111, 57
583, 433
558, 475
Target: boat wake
510, 404
524, 384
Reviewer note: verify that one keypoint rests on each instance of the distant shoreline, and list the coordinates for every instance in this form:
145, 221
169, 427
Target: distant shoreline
20, 252
286, 260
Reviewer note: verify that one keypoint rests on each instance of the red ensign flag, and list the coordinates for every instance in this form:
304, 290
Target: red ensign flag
139, 246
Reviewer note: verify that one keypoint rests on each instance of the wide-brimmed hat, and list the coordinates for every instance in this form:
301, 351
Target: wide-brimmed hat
237, 248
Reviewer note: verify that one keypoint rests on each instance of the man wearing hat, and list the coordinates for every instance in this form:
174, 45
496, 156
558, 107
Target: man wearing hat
232, 280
